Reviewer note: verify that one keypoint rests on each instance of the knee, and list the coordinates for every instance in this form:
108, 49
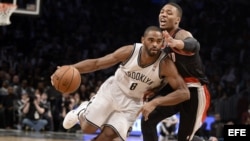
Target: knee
88, 130
44, 122
87, 127
109, 133
25, 121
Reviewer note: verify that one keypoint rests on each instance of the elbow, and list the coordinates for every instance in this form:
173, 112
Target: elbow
191, 44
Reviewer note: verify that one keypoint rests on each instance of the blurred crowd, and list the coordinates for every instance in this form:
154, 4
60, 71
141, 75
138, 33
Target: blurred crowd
66, 32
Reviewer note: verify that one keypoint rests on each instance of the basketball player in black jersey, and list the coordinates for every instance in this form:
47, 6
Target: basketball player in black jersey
183, 49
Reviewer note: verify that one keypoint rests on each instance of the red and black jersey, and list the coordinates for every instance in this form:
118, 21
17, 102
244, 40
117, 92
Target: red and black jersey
189, 64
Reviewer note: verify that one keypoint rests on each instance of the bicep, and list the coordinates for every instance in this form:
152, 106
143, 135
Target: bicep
183, 34
172, 75
119, 55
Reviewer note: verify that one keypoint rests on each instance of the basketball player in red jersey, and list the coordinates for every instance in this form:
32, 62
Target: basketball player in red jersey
183, 49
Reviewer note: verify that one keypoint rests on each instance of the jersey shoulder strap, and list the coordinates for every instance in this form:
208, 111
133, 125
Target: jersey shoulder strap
177, 30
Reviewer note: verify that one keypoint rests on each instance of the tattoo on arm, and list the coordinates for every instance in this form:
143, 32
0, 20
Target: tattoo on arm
182, 34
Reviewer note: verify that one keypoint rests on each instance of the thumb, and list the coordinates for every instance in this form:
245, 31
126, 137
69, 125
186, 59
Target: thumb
166, 34
138, 113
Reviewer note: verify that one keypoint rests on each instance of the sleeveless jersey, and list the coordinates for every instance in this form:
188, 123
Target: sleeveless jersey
189, 66
134, 79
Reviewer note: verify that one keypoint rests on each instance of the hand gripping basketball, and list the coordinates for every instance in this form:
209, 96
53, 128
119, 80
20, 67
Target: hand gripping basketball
66, 79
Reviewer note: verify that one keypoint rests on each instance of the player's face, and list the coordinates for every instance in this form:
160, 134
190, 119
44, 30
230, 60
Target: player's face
168, 17
153, 42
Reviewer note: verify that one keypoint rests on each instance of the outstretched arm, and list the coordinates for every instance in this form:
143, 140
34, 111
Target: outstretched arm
183, 41
90, 65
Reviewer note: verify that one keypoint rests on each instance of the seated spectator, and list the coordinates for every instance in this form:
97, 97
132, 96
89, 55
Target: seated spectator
202, 131
68, 105
33, 112
168, 127
8, 103
47, 114
217, 127
4, 88
2, 116
19, 104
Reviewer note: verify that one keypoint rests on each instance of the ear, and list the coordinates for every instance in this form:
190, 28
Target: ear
142, 39
178, 20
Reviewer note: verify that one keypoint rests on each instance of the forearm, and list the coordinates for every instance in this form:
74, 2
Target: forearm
26, 108
39, 109
173, 98
86, 66
189, 44
91, 65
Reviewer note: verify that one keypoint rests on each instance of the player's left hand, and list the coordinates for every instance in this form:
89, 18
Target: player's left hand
146, 109
148, 94
169, 40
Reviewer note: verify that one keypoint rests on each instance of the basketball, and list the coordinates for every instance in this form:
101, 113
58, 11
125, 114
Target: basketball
66, 79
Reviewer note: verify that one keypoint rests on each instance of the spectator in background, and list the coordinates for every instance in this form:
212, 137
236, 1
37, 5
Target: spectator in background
168, 127
4, 88
8, 103
77, 99
203, 132
19, 104
60, 104
47, 114
24, 87
2, 115
242, 105
15, 83
70, 103
245, 118
83, 92
34, 112
217, 126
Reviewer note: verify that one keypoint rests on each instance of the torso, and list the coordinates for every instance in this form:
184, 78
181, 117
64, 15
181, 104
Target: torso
188, 64
134, 79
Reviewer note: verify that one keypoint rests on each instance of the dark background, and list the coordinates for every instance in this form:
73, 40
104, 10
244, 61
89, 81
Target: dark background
67, 31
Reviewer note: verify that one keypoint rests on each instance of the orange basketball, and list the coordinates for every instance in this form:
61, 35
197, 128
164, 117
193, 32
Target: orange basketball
66, 79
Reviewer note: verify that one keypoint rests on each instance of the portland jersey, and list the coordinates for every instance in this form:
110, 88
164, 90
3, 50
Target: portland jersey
134, 79
188, 64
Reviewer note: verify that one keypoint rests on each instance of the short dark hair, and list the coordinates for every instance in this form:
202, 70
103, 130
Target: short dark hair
151, 28
178, 8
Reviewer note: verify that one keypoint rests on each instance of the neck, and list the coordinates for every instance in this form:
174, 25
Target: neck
146, 59
171, 31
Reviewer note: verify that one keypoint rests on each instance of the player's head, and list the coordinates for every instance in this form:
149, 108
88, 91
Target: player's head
152, 40
170, 16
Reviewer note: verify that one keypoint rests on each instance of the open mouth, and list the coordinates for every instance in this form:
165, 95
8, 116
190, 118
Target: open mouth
163, 22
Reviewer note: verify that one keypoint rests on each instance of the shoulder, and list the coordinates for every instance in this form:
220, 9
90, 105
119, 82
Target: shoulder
167, 67
166, 61
183, 34
124, 52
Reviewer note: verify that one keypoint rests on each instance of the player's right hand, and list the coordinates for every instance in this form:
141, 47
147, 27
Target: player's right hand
51, 77
148, 94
